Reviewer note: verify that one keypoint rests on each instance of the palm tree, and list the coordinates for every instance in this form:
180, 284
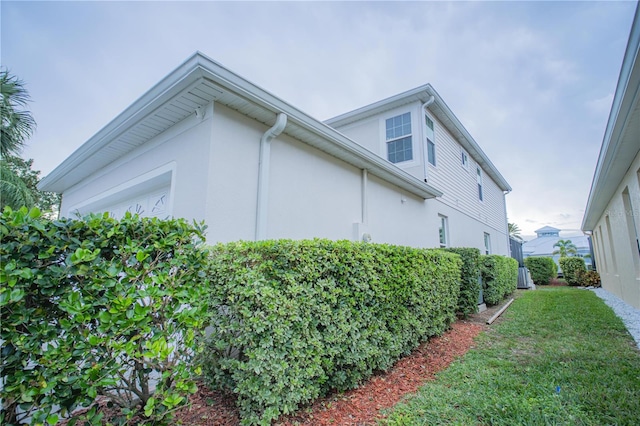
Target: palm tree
17, 122
17, 125
514, 231
565, 248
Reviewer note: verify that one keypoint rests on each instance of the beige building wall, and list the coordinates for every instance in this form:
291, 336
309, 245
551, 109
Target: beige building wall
616, 236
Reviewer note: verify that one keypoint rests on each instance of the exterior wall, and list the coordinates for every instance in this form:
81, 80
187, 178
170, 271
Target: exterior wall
175, 162
615, 236
468, 217
209, 170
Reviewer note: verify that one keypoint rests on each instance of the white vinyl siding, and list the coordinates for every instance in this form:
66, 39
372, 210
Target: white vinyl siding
461, 189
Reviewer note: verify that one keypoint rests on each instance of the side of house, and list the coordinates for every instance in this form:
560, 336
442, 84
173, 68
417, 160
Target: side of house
418, 132
612, 215
208, 145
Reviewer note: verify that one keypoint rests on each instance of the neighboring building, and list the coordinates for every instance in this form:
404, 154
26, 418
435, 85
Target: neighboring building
612, 214
206, 144
547, 237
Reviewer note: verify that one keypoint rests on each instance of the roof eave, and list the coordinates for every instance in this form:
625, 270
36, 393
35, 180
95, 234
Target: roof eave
616, 152
199, 67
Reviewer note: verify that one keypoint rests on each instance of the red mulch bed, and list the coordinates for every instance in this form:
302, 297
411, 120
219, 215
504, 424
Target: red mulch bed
361, 406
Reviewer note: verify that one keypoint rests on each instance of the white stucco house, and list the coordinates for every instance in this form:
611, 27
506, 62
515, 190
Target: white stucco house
612, 215
206, 144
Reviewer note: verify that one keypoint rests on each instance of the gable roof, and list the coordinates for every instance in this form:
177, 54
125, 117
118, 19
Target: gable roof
440, 109
621, 142
195, 83
546, 229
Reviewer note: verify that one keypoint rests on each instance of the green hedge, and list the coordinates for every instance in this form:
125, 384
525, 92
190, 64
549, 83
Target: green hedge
499, 277
469, 279
292, 320
91, 307
542, 269
572, 269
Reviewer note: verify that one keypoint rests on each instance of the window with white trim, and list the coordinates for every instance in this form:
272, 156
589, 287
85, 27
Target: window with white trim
399, 140
487, 243
464, 158
443, 231
431, 137
479, 179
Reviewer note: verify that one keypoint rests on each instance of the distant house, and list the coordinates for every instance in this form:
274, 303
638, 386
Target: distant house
207, 144
612, 214
547, 237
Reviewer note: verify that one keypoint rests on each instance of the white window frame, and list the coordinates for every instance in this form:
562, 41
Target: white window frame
430, 140
464, 159
394, 138
487, 243
443, 231
480, 186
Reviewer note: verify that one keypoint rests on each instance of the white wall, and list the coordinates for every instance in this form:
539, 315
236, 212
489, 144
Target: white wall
182, 151
469, 218
615, 233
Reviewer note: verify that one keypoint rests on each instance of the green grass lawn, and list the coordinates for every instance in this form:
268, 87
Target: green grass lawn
559, 357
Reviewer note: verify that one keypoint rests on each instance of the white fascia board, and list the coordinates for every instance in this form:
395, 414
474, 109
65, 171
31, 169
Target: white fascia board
198, 67
616, 153
422, 94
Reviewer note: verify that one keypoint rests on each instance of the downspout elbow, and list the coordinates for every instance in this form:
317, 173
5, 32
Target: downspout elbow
263, 174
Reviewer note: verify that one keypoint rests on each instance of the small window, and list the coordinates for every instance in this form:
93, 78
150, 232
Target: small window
487, 243
479, 179
444, 237
464, 159
431, 152
399, 141
431, 146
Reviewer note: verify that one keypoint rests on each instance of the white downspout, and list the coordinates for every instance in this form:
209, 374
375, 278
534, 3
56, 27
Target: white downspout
424, 136
263, 175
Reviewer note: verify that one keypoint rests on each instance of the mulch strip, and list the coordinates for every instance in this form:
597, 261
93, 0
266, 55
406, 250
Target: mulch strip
360, 406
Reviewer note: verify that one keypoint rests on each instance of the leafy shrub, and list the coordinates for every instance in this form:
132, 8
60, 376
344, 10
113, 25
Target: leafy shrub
572, 268
542, 269
590, 278
499, 277
91, 307
469, 283
294, 319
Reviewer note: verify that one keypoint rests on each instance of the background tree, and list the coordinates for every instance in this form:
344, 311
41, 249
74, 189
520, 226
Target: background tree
565, 248
17, 178
514, 231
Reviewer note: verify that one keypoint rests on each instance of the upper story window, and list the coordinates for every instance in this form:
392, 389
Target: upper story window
464, 159
431, 137
479, 179
399, 145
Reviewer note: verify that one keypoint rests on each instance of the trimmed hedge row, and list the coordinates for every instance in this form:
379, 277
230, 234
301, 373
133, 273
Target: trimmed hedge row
572, 269
91, 307
469, 283
294, 319
542, 269
500, 277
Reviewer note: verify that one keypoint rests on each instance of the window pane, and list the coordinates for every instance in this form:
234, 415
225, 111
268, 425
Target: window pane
431, 152
398, 126
400, 150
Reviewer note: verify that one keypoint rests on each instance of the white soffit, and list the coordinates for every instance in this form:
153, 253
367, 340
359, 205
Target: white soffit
621, 142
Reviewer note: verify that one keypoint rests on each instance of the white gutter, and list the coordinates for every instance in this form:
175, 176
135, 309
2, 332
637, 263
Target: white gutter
263, 175
424, 136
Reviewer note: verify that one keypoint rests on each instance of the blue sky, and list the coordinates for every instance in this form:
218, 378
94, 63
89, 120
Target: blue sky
531, 81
